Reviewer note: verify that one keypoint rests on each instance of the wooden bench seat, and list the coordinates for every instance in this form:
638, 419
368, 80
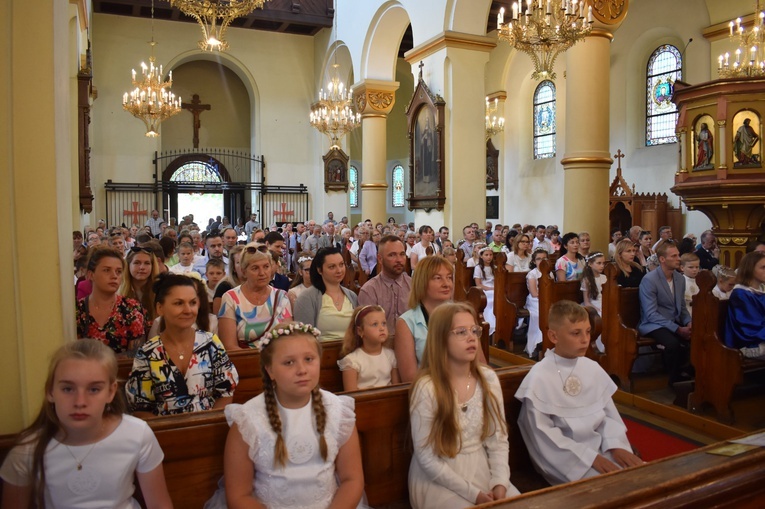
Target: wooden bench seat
719, 369
621, 315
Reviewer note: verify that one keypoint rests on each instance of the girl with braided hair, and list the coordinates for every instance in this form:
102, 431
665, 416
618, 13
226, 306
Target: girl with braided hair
294, 445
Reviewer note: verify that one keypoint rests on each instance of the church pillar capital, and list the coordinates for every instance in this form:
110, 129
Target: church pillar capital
374, 98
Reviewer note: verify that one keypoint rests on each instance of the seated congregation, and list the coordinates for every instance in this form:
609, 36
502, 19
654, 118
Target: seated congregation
427, 421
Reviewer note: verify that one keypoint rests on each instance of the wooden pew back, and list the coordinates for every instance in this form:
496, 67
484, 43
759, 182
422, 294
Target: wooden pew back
510, 293
719, 369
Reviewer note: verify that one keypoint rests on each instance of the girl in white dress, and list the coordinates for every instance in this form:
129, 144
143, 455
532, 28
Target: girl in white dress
81, 451
294, 445
483, 275
593, 280
302, 280
459, 431
534, 334
518, 260
365, 361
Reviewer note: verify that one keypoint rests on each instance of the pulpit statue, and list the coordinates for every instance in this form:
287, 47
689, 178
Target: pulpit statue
743, 145
705, 143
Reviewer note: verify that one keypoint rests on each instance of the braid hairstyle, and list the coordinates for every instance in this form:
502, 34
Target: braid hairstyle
265, 345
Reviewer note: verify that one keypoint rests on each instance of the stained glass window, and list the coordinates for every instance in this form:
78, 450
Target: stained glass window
353, 186
197, 171
544, 120
398, 186
664, 69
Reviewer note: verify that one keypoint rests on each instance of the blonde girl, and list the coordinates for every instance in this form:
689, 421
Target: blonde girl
457, 417
519, 259
534, 335
630, 272
81, 450
483, 276
365, 362
593, 280
294, 445
302, 281
138, 280
474, 260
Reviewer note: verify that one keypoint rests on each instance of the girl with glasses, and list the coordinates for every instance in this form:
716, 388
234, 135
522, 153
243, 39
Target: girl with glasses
458, 424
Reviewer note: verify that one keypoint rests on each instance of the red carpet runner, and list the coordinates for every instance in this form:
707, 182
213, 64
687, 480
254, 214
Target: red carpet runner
655, 443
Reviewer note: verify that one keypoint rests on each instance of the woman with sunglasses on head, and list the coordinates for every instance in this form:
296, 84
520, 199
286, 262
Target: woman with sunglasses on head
138, 279
250, 310
327, 305
105, 315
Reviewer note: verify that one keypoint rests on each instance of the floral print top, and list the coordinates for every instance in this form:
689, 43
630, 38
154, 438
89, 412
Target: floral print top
572, 268
157, 385
126, 323
253, 321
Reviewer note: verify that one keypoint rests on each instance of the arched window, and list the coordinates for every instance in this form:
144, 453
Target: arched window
664, 69
544, 120
398, 186
353, 186
197, 171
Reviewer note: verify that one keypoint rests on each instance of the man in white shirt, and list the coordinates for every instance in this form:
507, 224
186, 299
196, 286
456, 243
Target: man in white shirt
155, 222
468, 233
541, 240
251, 225
214, 245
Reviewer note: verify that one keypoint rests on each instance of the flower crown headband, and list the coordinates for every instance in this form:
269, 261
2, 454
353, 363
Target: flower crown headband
480, 251
286, 331
305, 259
592, 256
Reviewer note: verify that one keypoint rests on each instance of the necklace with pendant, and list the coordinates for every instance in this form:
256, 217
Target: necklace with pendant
464, 405
572, 385
178, 352
80, 462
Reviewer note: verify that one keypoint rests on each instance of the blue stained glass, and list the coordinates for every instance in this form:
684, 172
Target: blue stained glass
544, 120
663, 71
197, 171
398, 186
353, 187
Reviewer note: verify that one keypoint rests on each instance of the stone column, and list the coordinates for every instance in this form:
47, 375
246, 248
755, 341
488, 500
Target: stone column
587, 161
374, 99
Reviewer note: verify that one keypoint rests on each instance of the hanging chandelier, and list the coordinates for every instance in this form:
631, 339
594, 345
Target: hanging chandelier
151, 99
544, 29
214, 16
332, 114
749, 55
494, 124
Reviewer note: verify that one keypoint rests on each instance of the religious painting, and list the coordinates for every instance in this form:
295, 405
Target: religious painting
704, 143
492, 166
425, 130
746, 140
335, 170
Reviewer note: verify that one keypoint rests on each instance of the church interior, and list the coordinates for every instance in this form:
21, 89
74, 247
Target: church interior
594, 142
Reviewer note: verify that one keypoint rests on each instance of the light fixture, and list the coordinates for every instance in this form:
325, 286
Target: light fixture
332, 114
151, 99
749, 56
544, 29
214, 16
494, 124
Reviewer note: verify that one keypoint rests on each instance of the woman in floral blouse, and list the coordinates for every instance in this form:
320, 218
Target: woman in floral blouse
184, 369
105, 315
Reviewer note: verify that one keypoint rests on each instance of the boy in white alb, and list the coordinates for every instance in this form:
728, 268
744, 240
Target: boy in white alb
568, 420
690, 266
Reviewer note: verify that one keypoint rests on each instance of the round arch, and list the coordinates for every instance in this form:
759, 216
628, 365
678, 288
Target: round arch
241, 71
338, 52
183, 160
467, 16
380, 50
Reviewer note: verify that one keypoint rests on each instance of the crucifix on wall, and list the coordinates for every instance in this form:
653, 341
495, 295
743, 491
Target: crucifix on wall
196, 108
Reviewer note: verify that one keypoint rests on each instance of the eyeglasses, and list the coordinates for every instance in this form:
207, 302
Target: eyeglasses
462, 333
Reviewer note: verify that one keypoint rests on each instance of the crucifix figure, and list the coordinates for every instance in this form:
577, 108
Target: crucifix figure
196, 107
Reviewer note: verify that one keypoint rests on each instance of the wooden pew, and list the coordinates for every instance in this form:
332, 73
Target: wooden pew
621, 315
719, 369
695, 479
382, 419
463, 277
247, 364
510, 293
550, 292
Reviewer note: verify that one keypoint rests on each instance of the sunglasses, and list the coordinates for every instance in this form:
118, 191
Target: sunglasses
138, 249
253, 249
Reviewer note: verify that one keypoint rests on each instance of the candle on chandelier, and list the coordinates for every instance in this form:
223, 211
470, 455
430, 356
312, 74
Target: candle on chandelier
727, 56
738, 56
730, 25
548, 8
753, 53
501, 16
515, 11
589, 16
719, 62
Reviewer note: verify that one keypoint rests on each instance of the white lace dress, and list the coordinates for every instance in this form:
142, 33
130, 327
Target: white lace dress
307, 481
447, 483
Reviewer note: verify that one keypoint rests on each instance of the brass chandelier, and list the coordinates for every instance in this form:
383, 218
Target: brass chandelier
214, 17
749, 55
332, 114
545, 28
494, 124
151, 100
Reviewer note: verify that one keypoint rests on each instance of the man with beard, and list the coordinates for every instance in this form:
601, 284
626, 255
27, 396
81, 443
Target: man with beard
390, 288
